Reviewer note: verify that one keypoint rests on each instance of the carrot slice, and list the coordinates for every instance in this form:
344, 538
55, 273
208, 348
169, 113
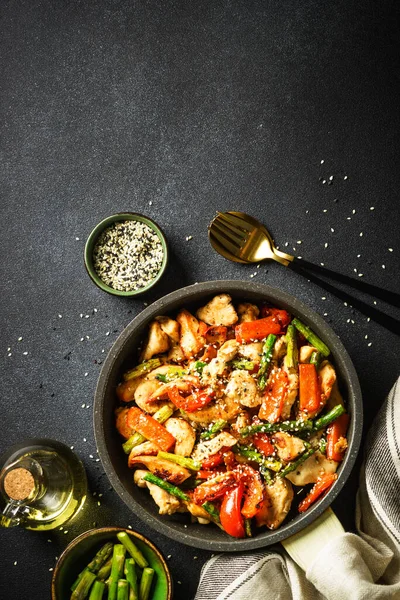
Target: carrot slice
335, 432
256, 330
273, 401
310, 393
150, 428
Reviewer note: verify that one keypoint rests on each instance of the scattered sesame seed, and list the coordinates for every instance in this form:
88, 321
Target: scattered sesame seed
326, 244
299, 242
95, 310
86, 374
366, 337
345, 177
345, 303
286, 243
99, 503
375, 302
370, 344
107, 333
361, 234
83, 405
25, 353
322, 264
60, 316
49, 541
169, 555
84, 439
322, 162
358, 255
129, 526
372, 208
189, 237
20, 339
360, 275
66, 531
77, 239
353, 211
331, 178
324, 181
91, 456
51, 569
355, 270
81, 315
325, 314
325, 210
383, 267
82, 339
348, 218
368, 320
323, 298
390, 249
9, 354
150, 202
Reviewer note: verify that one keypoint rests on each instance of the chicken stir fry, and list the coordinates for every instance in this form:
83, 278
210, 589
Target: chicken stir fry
228, 410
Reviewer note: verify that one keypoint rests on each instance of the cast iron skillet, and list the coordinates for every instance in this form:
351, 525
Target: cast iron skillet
123, 355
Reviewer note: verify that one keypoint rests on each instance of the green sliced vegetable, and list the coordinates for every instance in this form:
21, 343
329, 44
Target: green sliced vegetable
322, 445
101, 557
247, 527
266, 360
213, 430
142, 369
96, 593
188, 463
247, 365
292, 353
315, 359
296, 426
199, 366
266, 473
311, 337
331, 416
164, 413
212, 511
172, 373
131, 577
270, 463
135, 553
85, 583
145, 583
105, 570
117, 568
123, 590
293, 465
168, 487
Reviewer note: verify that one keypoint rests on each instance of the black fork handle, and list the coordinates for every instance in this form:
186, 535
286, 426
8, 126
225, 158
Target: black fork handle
309, 271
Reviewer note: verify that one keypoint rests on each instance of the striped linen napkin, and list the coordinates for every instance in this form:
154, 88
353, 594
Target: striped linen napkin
350, 567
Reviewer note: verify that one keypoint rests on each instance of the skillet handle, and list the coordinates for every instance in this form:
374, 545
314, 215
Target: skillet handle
304, 546
302, 268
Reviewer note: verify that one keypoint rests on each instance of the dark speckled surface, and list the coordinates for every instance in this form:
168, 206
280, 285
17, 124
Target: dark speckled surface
109, 106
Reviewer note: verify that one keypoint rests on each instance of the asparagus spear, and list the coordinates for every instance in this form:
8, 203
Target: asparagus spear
247, 365
315, 359
168, 487
132, 549
292, 354
266, 473
77, 580
199, 366
117, 568
142, 369
266, 360
123, 590
311, 337
131, 577
145, 583
105, 570
270, 463
215, 428
247, 527
82, 589
212, 511
327, 419
101, 557
322, 445
293, 465
297, 426
161, 416
188, 463
96, 593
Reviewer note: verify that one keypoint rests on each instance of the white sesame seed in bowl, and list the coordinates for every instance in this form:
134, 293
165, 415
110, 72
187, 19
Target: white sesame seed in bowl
126, 254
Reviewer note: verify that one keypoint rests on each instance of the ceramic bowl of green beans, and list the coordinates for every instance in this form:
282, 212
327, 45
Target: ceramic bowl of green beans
111, 563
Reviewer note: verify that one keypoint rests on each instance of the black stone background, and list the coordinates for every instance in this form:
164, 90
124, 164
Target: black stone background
175, 109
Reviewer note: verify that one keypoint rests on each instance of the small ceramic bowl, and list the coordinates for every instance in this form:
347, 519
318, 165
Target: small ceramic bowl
83, 548
91, 242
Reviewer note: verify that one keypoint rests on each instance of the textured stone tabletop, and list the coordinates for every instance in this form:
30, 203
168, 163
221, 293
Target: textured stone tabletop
174, 109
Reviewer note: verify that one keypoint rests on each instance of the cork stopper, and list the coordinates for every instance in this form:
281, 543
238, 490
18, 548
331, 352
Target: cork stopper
19, 484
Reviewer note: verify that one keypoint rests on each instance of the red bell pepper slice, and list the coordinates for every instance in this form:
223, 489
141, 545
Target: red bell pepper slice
309, 393
190, 403
202, 328
335, 432
250, 331
323, 484
253, 490
213, 461
273, 401
150, 428
230, 513
280, 316
262, 442
214, 488
206, 474
209, 353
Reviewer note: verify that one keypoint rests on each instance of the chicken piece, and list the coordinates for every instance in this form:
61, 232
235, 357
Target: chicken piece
288, 447
176, 354
223, 408
311, 469
327, 378
305, 353
126, 390
120, 422
170, 327
217, 365
138, 478
291, 394
162, 468
243, 387
191, 342
247, 312
145, 393
205, 449
279, 350
243, 420
335, 398
199, 512
277, 502
145, 449
219, 311
156, 343
251, 351
184, 434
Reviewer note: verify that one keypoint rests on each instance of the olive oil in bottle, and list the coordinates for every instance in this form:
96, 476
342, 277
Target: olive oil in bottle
42, 485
